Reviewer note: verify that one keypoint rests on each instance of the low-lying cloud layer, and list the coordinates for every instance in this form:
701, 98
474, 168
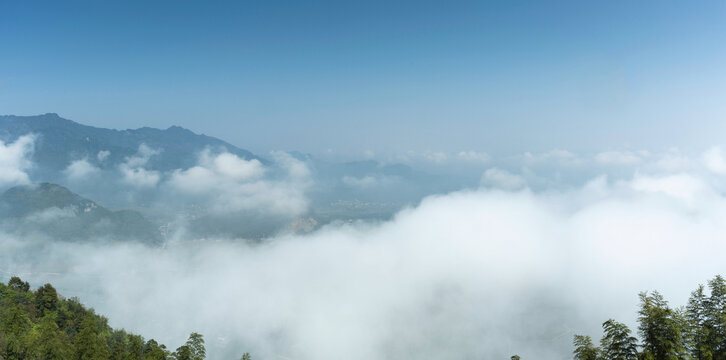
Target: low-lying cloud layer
227, 183
483, 273
15, 161
220, 183
134, 171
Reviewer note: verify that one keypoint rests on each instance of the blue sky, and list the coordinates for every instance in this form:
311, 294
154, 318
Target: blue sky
501, 77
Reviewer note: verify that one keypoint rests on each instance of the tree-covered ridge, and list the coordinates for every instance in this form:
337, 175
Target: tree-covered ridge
43, 325
694, 332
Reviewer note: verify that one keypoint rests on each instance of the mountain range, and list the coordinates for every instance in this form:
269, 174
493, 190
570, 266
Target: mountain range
339, 190
55, 211
61, 141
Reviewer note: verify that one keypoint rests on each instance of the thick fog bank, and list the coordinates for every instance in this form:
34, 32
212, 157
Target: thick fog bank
471, 274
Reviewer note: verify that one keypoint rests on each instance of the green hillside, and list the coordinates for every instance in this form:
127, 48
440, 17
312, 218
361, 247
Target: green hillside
42, 325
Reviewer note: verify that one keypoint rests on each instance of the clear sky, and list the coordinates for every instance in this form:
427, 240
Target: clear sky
500, 77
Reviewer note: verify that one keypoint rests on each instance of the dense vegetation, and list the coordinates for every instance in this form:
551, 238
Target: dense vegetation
694, 332
42, 325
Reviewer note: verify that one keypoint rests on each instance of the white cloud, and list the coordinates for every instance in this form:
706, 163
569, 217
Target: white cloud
715, 160
621, 157
234, 168
142, 157
229, 183
80, 169
140, 177
15, 161
681, 186
195, 180
463, 275
473, 156
216, 172
470, 271
502, 179
555, 155
437, 157
133, 171
674, 161
295, 168
103, 155
51, 214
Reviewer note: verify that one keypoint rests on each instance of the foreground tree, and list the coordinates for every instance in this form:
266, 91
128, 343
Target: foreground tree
585, 349
46, 299
193, 349
696, 332
18, 285
700, 325
135, 347
715, 318
15, 325
154, 351
42, 325
617, 342
196, 344
661, 328
47, 341
88, 346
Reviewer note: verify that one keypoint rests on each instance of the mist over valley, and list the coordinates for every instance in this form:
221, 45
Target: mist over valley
398, 180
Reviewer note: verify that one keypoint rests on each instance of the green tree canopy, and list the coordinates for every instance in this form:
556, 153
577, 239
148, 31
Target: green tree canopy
584, 348
617, 342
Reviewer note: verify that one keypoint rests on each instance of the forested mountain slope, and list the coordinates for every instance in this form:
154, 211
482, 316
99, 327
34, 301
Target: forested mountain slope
41, 324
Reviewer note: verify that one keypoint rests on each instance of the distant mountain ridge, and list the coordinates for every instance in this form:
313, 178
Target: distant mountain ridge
62, 214
338, 190
61, 141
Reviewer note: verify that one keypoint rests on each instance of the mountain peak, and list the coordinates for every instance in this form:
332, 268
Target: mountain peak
29, 198
179, 129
